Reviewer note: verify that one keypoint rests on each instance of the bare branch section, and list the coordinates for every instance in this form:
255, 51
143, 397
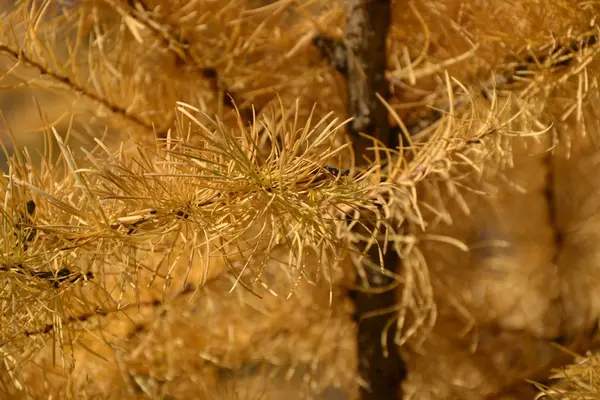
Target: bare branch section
334, 51
70, 83
367, 23
180, 48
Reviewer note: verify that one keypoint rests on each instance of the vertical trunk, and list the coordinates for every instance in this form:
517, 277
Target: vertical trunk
367, 23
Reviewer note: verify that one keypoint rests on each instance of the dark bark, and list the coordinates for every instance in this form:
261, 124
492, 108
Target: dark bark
367, 24
334, 51
383, 374
550, 195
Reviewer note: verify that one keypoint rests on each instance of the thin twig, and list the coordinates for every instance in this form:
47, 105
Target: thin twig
68, 82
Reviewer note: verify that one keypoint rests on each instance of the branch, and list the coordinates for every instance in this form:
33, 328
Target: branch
334, 51
20, 56
181, 50
99, 312
367, 24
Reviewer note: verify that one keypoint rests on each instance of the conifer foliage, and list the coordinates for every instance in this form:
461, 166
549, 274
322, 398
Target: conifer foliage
251, 199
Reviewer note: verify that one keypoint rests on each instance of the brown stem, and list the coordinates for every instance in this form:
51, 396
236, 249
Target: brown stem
180, 48
68, 82
334, 51
99, 312
549, 193
367, 24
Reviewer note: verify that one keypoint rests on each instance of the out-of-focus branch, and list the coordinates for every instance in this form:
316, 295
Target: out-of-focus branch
73, 86
367, 24
334, 51
180, 48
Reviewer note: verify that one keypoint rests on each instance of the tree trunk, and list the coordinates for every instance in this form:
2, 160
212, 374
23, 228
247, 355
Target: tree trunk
367, 24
